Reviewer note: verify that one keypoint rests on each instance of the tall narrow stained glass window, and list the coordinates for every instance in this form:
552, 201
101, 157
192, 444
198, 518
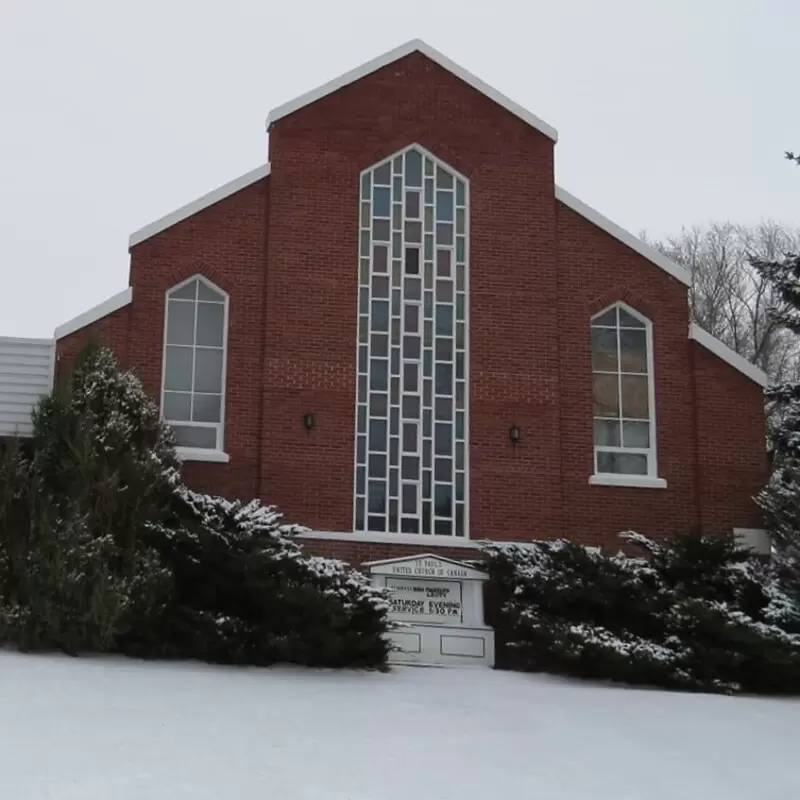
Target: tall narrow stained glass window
412, 393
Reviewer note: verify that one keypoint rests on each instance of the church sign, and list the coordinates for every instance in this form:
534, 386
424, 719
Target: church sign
416, 600
437, 606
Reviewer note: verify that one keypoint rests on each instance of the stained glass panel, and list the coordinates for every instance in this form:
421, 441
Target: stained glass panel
412, 361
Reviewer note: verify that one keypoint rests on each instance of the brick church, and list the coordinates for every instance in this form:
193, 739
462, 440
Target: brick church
403, 333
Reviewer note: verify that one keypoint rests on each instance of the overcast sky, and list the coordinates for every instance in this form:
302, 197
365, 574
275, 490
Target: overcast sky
113, 114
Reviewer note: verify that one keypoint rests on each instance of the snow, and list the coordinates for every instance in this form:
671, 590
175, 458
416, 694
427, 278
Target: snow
118, 729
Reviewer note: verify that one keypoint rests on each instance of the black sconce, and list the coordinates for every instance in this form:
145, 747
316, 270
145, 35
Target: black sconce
514, 433
308, 421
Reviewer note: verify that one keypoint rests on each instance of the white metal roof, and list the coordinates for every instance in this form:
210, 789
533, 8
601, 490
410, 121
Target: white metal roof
184, 212
721, 350
650, 253
417, 45
414, 46
114, 303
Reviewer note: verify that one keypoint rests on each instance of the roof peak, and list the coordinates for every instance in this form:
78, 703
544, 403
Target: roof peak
412, 46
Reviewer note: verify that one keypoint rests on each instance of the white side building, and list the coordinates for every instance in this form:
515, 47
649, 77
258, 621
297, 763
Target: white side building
27, 368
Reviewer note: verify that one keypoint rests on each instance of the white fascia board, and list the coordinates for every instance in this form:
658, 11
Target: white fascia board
415, 45
650, 253
105, 308
184, 212
721, 350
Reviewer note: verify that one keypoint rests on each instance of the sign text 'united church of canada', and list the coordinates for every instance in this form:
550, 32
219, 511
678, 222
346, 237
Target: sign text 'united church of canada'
429, 568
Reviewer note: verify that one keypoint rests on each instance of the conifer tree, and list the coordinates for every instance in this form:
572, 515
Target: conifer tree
102, 467
102, 547
780, 500
99, 444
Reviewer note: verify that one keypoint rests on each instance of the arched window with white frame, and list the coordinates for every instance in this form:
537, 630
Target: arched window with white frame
195, 345
623, 390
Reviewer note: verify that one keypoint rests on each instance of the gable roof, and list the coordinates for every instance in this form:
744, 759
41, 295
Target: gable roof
108, 306
184, 212
700, 335
721, 350
414, 46
562, 195
650, 253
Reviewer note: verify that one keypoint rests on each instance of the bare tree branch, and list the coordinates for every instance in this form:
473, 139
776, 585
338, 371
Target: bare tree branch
730, 298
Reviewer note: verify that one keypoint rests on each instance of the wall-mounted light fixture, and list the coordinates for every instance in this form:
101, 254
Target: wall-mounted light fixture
308, 421
514, 433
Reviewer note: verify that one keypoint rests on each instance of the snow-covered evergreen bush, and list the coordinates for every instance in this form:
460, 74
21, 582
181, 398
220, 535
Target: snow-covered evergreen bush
15, 500
70, 595
247, 593
102, 547
696, 613
99, 440
102, 466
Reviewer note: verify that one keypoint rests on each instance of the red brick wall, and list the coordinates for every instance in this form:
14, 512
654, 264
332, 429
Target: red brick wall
227, 244
595, 270
285, 249
732, 460
317, 154
356, 553
111, 331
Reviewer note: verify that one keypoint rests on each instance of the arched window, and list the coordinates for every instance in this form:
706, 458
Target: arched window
193, 386
624, 415
411, 404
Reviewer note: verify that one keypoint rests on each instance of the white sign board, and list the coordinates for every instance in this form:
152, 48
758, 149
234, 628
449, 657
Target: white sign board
438, 605
415, 600
426, 567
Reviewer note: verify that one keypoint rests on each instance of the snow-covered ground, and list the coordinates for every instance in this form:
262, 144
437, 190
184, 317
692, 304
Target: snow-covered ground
113, 729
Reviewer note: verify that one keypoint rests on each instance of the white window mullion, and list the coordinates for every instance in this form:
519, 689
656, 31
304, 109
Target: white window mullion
400, 197
404, 181
183, 428
619, 378
644, 326
194, 348
651, 401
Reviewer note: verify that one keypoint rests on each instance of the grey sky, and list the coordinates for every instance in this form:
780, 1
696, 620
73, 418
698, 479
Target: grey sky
113, 114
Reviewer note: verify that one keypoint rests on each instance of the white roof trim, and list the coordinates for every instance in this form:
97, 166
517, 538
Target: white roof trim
105, 308
184, 212
703, 337
415, 45
651, 254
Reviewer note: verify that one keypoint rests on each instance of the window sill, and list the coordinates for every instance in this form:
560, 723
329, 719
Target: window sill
197, 454
419, 540
634, 481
